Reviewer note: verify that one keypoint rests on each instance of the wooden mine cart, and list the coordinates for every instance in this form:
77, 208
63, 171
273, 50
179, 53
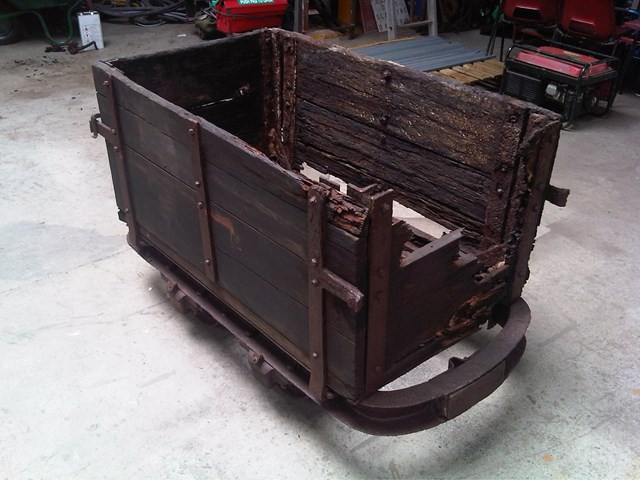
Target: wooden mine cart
327, 290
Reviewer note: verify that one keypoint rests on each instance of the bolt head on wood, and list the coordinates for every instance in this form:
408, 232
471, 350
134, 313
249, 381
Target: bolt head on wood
197, 183
200, 205
192, 131
314, 261
315, 282
314, 355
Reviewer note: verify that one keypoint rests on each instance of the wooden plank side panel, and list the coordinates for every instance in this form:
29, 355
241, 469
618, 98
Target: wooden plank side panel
255, 205
449, 192
445, 288
156, 130
256, 273
456, 122
166, 209
194, 76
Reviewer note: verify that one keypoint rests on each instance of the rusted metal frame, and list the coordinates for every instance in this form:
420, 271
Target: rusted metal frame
379, 256
321, 279
444, 396
182, 287
545, 151
503, 183
396, 412
272, 110
198, 164
114, 137
289, 103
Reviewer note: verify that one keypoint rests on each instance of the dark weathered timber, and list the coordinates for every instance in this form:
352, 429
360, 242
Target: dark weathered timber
538, 151
171, 154
473, 162
168, 143
194, 76
240, 115
456, 122
420, 320
260, 274
426, 182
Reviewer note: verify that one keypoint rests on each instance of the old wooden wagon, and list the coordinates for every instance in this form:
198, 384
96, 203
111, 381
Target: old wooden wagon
327, 290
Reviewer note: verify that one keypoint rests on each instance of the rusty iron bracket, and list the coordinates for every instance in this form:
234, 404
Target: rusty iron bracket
112, 135
321, 279
556, 195
204, 219
98, 128
379, 251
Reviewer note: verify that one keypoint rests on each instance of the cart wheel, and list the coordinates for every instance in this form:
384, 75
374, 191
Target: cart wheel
10, 30
590, 102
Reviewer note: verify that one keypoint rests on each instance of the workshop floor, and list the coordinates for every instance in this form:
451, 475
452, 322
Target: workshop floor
101, 378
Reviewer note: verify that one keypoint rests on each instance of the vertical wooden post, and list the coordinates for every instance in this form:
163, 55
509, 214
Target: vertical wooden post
379, 251
204, 220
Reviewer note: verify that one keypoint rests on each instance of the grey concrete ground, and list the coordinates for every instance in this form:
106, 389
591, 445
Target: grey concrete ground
101, 378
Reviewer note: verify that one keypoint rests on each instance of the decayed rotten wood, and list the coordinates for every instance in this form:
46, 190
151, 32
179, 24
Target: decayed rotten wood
447, 151
454, 121
538, 151
450, 193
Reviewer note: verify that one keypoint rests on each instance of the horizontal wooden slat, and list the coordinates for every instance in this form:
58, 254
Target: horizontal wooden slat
444, 290
257, 273
452, 121
445, 190
168, 212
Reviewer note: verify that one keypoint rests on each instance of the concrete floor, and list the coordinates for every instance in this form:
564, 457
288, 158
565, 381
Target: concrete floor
101, 378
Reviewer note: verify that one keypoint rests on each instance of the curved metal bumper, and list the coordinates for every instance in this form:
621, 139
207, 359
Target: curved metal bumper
445, 396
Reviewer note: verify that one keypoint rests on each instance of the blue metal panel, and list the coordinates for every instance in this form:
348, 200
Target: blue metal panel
424, 53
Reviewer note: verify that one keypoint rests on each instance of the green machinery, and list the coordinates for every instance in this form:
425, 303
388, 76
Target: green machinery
12, 11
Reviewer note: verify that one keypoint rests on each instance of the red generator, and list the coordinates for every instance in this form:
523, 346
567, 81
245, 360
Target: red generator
568, 81
236, 16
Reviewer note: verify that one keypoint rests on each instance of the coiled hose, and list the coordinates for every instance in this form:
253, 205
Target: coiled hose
145, 13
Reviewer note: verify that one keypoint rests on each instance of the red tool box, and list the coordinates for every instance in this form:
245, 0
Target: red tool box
235, 16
